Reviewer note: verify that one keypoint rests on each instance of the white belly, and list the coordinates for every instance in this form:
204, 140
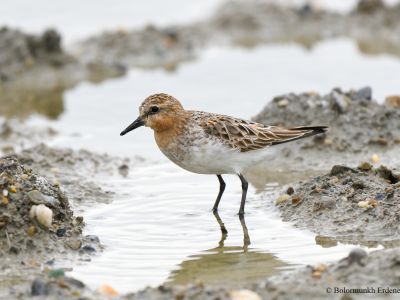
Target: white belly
212, 157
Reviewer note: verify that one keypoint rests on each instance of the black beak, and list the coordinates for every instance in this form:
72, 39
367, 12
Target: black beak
137, 123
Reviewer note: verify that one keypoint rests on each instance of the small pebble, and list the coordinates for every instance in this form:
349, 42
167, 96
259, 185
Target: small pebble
61, 232
365, 166
375, 158
108, 290
282, 198
244, 295
36, 197
12, 189
334, 180
283, 103
296, 200
39, 288
318, 270
56, 273
393, 101
290, 190
363, 204
123, 170
74, 244
31, 231
368, 204
24, 176
364, 93
88, 249
356, 255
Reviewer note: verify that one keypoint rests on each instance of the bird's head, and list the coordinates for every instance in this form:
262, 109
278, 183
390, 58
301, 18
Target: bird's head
159, 112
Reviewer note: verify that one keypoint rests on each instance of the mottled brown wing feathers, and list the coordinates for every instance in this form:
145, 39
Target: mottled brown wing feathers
246, 136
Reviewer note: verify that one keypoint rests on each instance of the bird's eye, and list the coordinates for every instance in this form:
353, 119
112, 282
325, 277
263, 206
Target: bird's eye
154, 109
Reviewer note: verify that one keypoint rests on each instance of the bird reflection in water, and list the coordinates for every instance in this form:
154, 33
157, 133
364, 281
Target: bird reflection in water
228, 266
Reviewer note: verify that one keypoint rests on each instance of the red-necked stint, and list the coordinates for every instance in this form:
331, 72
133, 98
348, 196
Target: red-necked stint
208, 143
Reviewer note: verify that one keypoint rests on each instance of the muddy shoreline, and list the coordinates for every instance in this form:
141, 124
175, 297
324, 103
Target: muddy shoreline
354, 199
351, 204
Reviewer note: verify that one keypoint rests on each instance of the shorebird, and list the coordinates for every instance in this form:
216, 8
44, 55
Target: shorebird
208, 143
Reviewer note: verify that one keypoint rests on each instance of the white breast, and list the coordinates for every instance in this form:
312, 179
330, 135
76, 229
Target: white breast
205, 155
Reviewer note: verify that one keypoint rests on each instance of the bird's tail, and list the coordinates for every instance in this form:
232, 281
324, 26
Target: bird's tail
302, 132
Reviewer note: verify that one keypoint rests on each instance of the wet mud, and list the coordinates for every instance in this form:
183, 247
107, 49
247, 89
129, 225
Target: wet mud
359, 128
351, 205
355, 200
38, 229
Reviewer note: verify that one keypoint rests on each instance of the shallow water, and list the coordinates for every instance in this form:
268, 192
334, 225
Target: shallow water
160, 228
236, 82
163, 230
77, 19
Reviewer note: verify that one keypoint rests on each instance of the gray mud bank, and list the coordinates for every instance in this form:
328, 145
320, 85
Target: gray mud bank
360, 129
355, 205
351, 205
38, 230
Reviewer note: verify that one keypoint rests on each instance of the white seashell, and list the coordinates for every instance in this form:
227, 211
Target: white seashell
32, 212
43, 214
5, 193
244, 295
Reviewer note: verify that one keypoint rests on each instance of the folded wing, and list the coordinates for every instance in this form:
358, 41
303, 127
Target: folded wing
247, 136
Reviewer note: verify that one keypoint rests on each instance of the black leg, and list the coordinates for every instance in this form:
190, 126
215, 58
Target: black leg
245, 185
224, 232
246, 237
221, 191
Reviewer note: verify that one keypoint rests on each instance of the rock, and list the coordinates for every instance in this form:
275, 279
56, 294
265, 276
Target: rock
356, 256
39, 288
31, 231
123, 170
244, 295
290, 190
74, 282
337, 170
283, 103
340, 101
393, 101
375, 158
369, 6
36, 197
362, 94
61, 232
296, 200
88, 249
368, 204
108, 290
282, 198
318, 270
365, 166
92, 239
73, 244
323, 202
56, 273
